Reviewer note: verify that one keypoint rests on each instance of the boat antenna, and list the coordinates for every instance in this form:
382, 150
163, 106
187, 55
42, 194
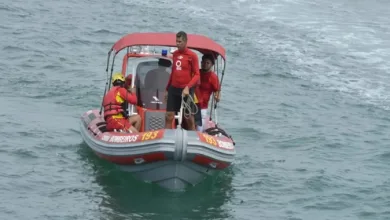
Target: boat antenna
220, 87
105, 89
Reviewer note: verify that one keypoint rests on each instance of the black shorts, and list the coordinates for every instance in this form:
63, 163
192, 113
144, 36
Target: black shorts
174, 99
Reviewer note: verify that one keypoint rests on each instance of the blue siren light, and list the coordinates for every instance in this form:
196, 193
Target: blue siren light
164, 52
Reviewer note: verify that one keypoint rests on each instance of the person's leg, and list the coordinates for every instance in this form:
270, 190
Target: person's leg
125, 125
190, 121
120, 124
135, 121
173, 106
204, 117
132, 130
198, 118
184, 124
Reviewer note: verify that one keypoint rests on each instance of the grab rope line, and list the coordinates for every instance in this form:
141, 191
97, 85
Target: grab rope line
186, 106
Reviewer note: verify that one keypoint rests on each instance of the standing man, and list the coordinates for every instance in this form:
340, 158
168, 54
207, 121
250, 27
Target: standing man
184, 76
208, 84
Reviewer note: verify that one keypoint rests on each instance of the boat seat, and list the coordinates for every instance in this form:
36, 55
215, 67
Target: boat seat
152, 119
151, 107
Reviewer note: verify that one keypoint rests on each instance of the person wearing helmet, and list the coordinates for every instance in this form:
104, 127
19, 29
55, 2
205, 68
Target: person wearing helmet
114, 112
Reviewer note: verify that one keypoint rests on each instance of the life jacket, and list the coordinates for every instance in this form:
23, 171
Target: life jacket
111, 105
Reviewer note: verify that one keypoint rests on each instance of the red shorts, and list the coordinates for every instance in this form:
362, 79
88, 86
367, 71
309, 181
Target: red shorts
118, 124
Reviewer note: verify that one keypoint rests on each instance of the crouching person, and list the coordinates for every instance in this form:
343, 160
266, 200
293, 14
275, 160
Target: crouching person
114, 110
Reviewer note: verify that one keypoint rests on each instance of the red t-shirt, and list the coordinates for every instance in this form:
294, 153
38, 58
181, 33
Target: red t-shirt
185, 69
208, 84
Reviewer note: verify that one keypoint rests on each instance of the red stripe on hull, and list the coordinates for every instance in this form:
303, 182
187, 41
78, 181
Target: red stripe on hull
206, 161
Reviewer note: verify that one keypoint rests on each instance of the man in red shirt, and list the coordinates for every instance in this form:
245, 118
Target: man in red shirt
208, 84
184, 77
113, 104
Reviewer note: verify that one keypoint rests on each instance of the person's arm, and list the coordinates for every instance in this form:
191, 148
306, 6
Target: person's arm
129, 97
198, 94
215, 86
170, 75
169, 81
195, 71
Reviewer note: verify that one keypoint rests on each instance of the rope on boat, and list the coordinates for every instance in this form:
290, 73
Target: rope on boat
216, 131
186, 106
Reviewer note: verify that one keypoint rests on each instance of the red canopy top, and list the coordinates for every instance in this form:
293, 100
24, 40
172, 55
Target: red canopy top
197, 42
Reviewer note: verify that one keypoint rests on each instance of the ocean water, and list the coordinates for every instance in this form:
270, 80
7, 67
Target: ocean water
305, 96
